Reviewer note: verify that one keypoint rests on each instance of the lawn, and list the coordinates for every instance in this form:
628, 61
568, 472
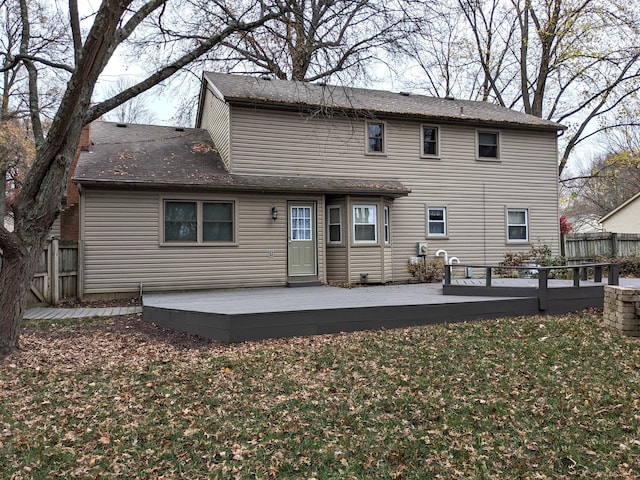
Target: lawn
541, 397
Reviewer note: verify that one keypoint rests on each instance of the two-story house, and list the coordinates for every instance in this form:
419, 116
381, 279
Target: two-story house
295, 183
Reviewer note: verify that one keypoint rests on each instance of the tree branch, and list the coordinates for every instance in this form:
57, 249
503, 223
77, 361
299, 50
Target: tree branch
103, 107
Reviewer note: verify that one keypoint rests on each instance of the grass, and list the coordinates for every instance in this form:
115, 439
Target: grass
543, 397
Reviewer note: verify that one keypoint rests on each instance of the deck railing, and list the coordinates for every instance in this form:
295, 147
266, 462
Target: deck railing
579, 272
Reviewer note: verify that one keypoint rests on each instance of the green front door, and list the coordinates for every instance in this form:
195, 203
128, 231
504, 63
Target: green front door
302, 239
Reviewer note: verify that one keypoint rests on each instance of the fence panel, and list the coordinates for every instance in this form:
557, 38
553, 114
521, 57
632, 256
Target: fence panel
56, 276
588, 247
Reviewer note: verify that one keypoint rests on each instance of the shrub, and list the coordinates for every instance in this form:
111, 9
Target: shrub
538, 255
629, 266
427, 270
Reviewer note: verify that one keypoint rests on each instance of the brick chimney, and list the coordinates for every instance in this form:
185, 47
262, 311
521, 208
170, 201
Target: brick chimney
70, 214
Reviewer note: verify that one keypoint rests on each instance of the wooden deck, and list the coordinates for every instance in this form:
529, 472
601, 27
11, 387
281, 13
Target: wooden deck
258, 313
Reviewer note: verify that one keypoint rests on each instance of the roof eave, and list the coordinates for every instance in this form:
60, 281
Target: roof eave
289, 106
123, 184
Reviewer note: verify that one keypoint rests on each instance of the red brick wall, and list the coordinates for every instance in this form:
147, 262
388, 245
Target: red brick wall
69, 216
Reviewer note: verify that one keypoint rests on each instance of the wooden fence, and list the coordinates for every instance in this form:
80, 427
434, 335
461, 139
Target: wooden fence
56, 276
588, 247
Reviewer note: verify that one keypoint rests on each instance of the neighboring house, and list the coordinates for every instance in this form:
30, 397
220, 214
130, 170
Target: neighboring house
624, 218
589, 223
295, 183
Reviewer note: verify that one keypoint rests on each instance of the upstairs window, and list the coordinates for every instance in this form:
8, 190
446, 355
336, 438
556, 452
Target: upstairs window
430, 141
488, 145
517, 225
436, 221
198, 222
375, 137
365, 224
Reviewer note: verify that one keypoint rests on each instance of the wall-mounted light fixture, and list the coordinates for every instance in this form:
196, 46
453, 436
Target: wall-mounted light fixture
274, 213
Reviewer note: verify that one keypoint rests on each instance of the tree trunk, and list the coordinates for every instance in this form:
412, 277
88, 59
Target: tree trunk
16, 272
34, 216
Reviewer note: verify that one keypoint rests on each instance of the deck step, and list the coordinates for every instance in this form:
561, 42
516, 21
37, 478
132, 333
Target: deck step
304, 283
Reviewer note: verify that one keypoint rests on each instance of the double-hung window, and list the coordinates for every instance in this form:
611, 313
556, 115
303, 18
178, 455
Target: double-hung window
375, 137
365, 224
198, 222
387, 225
517, 225
430, 141
334, 221
437, 221
488, 145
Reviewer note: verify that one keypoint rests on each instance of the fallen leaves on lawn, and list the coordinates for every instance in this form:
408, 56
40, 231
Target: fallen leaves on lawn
553, 397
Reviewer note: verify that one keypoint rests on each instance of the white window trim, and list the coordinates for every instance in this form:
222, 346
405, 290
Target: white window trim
427, 155
353, 223
498, 156
384, 137
386, 222
527, 224
329, 224
199, 220
446, 221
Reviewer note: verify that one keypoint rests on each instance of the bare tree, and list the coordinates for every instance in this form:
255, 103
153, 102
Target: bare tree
16, 154
607, 182
318, 39
135, 110
16, 141
573, 61
95, 38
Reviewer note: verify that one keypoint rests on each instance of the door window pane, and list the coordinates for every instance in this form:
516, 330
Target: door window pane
301, 223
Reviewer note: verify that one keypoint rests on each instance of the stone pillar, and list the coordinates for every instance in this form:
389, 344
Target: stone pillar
622, 309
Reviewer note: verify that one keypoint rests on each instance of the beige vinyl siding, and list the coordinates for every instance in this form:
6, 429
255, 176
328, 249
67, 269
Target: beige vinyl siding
476, 193
336, 264
366, 260
121, 232
387, 265
215, 119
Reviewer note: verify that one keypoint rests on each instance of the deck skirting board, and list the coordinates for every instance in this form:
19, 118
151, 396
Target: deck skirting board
232, 328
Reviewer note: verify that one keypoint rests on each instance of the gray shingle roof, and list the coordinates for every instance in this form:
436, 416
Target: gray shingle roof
165, 157
241, 89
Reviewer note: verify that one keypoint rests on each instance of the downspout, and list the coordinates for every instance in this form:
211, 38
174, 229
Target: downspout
484, 223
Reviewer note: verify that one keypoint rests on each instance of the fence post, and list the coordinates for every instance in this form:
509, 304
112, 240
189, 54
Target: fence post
488, 277
46, 280
55, 271
614, 245
447, 274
